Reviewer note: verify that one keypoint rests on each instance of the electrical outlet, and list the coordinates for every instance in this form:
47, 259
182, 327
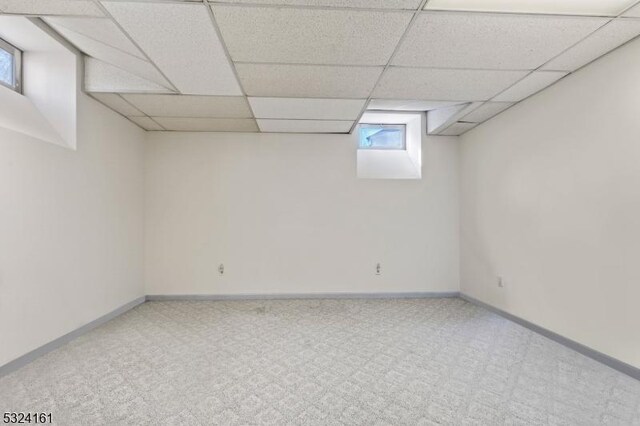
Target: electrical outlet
500, 282
378, 269
221, 269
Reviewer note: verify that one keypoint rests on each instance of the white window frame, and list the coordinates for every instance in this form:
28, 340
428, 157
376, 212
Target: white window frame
383, 125
17, 65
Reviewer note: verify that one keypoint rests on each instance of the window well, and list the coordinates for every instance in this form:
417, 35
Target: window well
389, 145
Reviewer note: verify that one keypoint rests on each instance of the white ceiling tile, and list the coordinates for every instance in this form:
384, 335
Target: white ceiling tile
486, 111
555, 7
444, 84
298, 108
304, 126
634, 12
208, 124
387, 117
439, 119
310, 36
100, 29
103, 77
458, 129
191, 106
307, 81
116, 103
113, 56
529, 85
181, 40
607, 38
366, 4
51, 7
489, 41
146, 123
407, 105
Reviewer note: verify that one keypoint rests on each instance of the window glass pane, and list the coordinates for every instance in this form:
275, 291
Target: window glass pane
382, 136
6, 68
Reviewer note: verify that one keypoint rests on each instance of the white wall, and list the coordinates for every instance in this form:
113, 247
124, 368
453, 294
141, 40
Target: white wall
551, 201
71, 229
286, 214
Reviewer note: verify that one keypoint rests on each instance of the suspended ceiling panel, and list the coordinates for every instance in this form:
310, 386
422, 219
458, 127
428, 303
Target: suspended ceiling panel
307, 81
601, 42
486, 41
118, 104
450, 85
304, 126
51, 7
181, 40
319, 109
100, 29
325, 57
113, 56
146, 123
486, 111
208, 124
633, 12
553, 7
408, 105
365, 4
191, 106
440, 119
530, 85
458, 129
310, 36
103, 77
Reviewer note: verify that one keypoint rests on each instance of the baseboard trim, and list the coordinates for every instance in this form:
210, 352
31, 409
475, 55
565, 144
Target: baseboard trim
289, 296
25, 359
607, 360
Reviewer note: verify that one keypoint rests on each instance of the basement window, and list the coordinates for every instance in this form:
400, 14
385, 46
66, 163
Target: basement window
390, 145
10, 66
383, 136
38, 82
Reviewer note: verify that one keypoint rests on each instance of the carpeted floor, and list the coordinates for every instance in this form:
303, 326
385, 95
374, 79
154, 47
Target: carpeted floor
329, 362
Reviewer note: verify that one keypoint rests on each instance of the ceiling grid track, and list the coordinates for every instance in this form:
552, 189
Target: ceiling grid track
101, 42
128, 117
421, 7
145, 114
132, 40
540, 68
228, 56
335, 76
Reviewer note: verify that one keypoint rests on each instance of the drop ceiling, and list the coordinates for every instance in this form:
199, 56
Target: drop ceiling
315, 66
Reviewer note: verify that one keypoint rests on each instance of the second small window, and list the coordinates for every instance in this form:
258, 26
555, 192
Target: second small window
10, 66
382, 136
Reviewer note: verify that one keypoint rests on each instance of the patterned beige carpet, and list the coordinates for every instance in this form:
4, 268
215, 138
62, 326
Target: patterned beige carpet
329, 362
